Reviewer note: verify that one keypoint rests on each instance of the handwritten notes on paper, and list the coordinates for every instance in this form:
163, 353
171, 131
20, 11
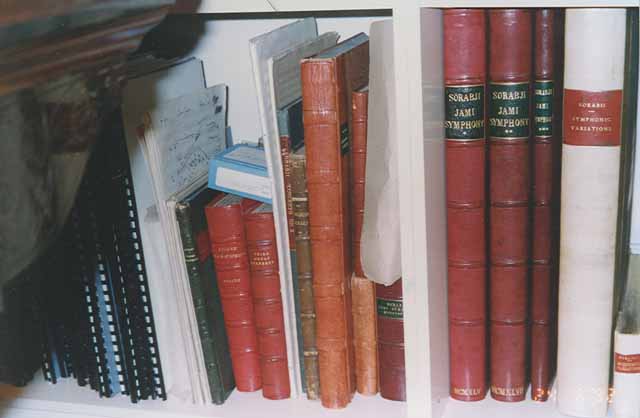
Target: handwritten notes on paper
187, 133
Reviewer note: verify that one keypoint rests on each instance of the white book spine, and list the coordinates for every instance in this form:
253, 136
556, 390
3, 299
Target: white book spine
594, 72
626, 375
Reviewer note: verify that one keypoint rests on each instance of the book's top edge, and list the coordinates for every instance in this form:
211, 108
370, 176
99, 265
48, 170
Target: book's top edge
190, 189
263, 208
364, 89
285, 54
197, 193
257, 39
299, 153
289, 105
227, 199
342, 47
245, 154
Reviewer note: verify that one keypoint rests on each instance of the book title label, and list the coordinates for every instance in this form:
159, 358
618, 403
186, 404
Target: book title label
509, 110
464, 112
592, 118
388, 308
543, 108
627, 363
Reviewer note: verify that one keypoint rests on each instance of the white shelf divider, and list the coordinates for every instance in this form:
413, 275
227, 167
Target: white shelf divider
413, 210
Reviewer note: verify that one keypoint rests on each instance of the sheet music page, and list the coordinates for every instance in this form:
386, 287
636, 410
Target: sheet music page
187, 133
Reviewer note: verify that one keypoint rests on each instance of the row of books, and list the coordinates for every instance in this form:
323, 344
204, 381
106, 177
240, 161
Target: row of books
236, 293
299, 73
517, 281
515, 195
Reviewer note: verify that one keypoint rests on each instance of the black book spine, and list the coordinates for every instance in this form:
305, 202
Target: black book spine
203, 301
142, 356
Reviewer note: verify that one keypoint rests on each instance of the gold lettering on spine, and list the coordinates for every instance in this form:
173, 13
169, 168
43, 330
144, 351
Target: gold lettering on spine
467, 391
517, 391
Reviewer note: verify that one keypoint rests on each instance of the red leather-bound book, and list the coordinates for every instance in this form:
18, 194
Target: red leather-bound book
542, 236
465, 79
363, 291
359, 116
509, 130
327, 82
267, 301
391, 341
229, 248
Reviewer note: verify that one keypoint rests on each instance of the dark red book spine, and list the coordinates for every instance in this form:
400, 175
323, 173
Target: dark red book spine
465, 78
359, 117
543, 241
391, 341
510, 47
229, 248
267, 302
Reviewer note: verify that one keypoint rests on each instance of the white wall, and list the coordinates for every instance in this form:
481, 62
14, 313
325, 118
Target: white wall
224, 49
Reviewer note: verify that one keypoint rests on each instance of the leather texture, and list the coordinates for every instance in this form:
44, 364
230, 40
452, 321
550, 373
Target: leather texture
365, 335
391, 341
362, 289
267, 301
359, 112
326, 106
229, 249
305, 273
510, 52
465, 75
543, 238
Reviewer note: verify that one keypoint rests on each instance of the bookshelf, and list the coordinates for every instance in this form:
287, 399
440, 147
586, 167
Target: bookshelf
418, 62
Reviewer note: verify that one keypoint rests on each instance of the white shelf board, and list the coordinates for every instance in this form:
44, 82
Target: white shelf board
489, 407
261, 6
68, 399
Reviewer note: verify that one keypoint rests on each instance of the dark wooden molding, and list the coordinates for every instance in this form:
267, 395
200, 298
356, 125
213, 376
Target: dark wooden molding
23, 11
87, 49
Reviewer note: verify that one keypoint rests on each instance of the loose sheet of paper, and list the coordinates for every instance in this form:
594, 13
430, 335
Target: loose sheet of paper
187, 133
381, 229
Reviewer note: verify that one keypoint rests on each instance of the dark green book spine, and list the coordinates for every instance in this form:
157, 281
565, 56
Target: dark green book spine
206, 303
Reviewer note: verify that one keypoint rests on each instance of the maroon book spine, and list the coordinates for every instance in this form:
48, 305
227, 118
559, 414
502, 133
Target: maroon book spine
510, 52
229, 249
543, 241
465, 78
359, 117
267, 301
391, 341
